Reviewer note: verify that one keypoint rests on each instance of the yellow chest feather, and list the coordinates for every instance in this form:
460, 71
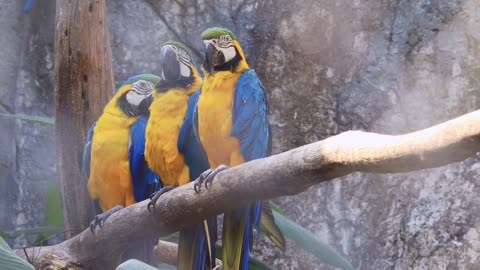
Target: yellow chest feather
215, 119
167, 113
110, 181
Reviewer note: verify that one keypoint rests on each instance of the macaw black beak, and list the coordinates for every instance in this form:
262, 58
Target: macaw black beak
144, 106
213, 57
170, 63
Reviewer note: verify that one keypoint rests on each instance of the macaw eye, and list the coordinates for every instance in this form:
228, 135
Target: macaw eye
225, 41
142, 87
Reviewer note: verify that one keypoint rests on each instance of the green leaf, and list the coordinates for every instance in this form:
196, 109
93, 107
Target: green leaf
37, 230
308, 242
53, 223
32, 118
277, 208
10, 261
133, 264
253, 263
54, 216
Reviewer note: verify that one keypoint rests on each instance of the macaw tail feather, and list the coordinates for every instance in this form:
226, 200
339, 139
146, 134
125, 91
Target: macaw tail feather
270, 228
238, 236
196, 246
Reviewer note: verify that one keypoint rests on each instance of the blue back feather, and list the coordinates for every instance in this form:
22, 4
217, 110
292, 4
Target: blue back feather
144, 179
188, 142
196, 159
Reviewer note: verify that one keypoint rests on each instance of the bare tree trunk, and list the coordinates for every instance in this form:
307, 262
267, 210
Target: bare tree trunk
83, 85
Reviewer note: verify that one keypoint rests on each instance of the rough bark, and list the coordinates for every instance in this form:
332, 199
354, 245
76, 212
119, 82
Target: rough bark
284, 174
83, 85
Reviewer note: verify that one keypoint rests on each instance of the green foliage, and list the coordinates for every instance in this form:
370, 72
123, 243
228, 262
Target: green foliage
10, 261
54, 216
37, 230
53, 223
31, 118
307, 240
277, 208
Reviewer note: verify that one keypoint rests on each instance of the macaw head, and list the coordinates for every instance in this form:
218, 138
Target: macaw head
135, 95
222, 51
178, 69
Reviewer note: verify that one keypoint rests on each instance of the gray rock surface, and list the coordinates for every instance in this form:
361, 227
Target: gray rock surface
328, 66
28, 150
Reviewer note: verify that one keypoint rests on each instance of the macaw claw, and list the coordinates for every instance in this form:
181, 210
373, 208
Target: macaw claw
207, 177
154, 197
100, 218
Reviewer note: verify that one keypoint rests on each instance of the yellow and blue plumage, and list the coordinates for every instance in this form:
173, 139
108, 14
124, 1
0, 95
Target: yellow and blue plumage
174, 152
234, 128
113, 160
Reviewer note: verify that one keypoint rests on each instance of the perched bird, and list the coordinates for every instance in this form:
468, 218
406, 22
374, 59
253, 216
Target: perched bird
113, 160
173, 149
233, 128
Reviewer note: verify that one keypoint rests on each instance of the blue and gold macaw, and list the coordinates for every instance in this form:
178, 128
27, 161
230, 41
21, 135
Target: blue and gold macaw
113, 159
233, 128
173, 150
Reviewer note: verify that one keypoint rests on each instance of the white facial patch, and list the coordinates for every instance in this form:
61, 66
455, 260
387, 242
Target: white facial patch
141, 89
184, 60
229, 53
184, 70
134, 98
225, 45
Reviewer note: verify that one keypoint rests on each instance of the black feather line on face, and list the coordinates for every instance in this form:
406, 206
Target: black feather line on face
182, 82
131, 110
230, 65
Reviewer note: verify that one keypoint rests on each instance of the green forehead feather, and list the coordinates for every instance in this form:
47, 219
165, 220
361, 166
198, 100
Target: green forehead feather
146, 77
178, 45
216, 32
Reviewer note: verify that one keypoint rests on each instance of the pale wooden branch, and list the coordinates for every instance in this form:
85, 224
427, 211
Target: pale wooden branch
284, 174
167, 252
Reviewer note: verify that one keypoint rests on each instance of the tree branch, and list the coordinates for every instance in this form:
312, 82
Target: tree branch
167, 252
284, 174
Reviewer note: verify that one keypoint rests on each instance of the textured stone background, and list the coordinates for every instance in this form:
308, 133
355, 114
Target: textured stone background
328, 66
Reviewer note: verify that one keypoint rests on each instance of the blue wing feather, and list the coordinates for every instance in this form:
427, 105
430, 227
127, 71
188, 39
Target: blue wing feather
250, 117
252, 128
250, 124
188, 142
196, 159
87, 151
145, 181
